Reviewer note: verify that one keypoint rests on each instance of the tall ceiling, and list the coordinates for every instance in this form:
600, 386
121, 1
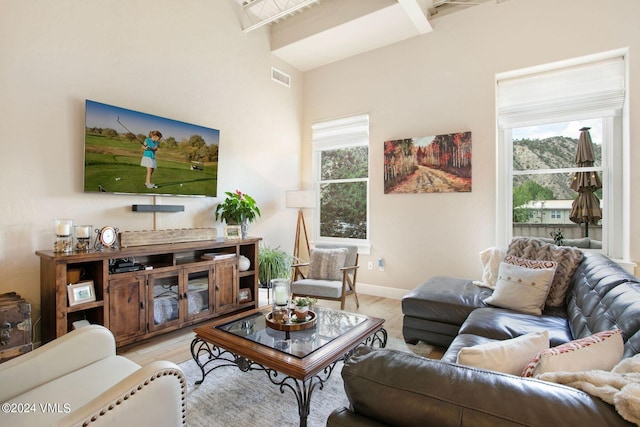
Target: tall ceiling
310, 33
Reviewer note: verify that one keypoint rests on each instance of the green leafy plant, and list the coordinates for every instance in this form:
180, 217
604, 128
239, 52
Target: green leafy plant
305, 301
237, 208
557, 236
301, 302
273, 263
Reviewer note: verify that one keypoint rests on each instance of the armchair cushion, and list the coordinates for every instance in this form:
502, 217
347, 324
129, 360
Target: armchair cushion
319, 288
325, 264
352, 251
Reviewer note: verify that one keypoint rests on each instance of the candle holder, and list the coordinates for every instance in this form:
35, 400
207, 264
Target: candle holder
83, 238
281, 298
64, 238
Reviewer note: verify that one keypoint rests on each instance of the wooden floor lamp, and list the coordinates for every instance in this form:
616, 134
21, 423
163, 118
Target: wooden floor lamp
300, 200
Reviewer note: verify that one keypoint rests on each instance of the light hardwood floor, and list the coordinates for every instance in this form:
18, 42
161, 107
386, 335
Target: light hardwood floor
175, 346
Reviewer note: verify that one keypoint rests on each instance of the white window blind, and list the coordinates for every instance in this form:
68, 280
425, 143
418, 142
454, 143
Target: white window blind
352, 130
596, 89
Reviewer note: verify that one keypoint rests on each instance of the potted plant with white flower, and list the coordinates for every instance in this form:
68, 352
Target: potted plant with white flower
238, 209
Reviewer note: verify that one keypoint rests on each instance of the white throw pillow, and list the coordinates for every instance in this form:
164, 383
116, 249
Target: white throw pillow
325, 264
490, 259
508, 356
522, 289
601, 351
568, 260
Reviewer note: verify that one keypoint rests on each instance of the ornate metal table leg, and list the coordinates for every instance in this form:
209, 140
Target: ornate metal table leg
212, 353
379, 338
302, 389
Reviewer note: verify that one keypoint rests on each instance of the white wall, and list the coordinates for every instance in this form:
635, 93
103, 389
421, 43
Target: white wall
444, 82
186, 60
189, 61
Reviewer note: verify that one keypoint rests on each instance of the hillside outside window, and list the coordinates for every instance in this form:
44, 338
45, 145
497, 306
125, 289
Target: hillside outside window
540, 112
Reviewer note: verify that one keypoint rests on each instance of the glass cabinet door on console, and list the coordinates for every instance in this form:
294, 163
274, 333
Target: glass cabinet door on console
163, 300
198, 294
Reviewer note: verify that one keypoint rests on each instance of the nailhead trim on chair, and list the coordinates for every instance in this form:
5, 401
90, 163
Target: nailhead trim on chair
183, 386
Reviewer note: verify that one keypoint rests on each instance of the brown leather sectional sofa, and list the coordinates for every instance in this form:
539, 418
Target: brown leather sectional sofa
390, 388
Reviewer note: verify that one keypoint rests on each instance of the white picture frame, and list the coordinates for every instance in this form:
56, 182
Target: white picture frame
81, 292
244, 295
232, 232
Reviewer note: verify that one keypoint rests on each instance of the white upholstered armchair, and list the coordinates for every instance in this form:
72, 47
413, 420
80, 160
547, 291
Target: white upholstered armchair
78, 380
331, 275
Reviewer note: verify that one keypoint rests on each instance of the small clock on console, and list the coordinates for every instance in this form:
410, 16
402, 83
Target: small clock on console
107, 238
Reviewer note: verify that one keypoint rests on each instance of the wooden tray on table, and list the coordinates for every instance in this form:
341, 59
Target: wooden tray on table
290, 326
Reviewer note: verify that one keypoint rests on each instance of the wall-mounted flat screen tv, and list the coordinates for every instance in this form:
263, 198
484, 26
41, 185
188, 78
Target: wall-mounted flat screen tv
129, 152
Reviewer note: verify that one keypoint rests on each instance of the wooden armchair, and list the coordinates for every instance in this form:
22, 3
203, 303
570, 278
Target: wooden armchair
331, 275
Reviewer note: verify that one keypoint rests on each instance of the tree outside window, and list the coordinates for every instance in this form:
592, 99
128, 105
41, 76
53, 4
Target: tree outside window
343, 193
341, 159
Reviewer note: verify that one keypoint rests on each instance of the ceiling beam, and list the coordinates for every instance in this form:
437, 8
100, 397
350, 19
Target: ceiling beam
416, 15
282, 12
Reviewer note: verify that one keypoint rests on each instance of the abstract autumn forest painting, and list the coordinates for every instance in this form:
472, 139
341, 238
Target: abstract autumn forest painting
432, 164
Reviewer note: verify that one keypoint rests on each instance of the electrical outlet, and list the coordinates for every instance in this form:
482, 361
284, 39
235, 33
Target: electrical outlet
370, 265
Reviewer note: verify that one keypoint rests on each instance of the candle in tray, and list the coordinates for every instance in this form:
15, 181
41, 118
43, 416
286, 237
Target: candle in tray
280, 295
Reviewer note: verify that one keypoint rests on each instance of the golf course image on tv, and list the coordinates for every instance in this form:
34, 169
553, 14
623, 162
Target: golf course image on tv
129, 152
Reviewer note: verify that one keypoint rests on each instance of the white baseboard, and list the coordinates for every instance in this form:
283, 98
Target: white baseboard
381, 291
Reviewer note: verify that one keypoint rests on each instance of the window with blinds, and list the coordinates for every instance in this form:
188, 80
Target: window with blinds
540, 114
341, 171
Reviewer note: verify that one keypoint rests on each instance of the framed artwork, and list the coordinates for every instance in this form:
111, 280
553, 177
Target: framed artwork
232, 232
431, 164
244, 295
81, 292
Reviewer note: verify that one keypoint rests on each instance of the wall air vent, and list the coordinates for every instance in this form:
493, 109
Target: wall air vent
280, 77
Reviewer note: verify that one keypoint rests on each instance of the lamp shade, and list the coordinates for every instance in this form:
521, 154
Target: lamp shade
300, 199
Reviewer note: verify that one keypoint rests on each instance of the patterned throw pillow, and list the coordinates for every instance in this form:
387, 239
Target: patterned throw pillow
568, 260
601, 351
522, 289
325, 264
530, 263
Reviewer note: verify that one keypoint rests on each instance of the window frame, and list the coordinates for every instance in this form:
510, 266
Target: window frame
615, 161
346, 132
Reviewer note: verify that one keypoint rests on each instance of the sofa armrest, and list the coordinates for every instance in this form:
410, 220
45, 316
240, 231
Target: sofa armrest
398, 388
154, 395
55, 359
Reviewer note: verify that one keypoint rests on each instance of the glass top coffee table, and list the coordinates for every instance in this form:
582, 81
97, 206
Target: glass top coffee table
305, 357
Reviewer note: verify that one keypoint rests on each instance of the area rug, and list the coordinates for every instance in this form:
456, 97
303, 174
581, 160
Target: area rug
230, 397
